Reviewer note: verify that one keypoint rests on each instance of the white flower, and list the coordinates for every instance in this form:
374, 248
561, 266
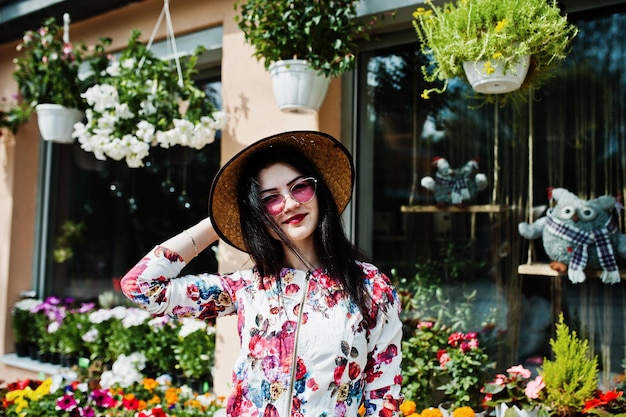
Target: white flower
190, 325
125, 371
119, 312
27, 304
53, 327
99, 316
91, 336
135, 317
220, 118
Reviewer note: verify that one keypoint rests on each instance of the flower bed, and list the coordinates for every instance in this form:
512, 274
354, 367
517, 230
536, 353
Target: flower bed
122, 391
83, 332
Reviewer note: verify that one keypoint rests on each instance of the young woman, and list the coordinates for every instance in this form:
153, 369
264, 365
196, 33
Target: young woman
319, 328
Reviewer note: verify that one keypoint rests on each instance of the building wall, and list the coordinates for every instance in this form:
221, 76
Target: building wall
247, 97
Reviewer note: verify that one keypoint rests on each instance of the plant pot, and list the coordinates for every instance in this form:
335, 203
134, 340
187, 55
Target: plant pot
22, 349
297, 87
497, 82
56, 122
445, 408
502, 409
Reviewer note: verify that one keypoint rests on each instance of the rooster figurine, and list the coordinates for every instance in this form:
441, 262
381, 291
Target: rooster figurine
455, 186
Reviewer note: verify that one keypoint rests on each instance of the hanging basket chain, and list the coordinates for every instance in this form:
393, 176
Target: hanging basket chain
171, 39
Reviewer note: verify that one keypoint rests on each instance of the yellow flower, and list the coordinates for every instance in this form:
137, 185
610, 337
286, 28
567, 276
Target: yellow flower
408, 407
488, 68
417, 13
425, 94
463, 412
497, 55
501, 24
431, 412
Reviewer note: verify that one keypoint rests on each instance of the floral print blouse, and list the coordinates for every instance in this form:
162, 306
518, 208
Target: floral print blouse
341, 365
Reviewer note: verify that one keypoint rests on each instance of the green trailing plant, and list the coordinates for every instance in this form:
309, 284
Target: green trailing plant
324, 33
571, 378
493, 31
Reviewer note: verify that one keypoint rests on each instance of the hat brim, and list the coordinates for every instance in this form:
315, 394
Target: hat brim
329, 155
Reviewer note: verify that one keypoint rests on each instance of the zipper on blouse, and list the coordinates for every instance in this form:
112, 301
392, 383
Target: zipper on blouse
294, 359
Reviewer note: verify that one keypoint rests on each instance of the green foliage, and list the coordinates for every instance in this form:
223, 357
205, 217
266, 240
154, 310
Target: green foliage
432, 326
489, 30
195, 347
322, 32
13, 113
572, 377
47, 71
71, 234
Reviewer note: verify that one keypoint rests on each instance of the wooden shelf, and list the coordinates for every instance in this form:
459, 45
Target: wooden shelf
539, 269
544, 270
483, 208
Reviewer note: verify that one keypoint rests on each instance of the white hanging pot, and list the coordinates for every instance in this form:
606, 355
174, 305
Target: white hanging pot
56, 122
297, 87
496, 82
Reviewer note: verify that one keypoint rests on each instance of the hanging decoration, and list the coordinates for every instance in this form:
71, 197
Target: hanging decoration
579, 234
455, 185
144, 101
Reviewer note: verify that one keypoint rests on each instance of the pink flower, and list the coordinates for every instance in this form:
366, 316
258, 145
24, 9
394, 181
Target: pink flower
519, 370
533, 388
425, 325
443, 357
500, 379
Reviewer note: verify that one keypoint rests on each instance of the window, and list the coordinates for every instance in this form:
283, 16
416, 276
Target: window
101, 217
572, 135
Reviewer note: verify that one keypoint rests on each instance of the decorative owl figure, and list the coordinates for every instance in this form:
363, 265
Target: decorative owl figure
455, 186
579, 234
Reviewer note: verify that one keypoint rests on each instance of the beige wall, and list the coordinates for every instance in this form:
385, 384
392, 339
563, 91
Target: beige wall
247, 97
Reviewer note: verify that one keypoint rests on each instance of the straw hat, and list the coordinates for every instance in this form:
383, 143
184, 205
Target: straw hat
331, 158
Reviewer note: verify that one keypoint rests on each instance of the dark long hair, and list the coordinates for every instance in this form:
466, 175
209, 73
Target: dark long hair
338, 254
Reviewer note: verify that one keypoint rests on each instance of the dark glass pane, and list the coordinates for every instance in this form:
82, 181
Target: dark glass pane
116, 214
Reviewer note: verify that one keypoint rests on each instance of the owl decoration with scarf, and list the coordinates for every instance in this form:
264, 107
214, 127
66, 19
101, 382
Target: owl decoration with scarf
579, 234
455, 185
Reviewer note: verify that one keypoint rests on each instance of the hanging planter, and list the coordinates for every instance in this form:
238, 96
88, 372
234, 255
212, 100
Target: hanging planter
323, 34
298, 88
491, 77
46, 71
489, 33
144, 102
56, 122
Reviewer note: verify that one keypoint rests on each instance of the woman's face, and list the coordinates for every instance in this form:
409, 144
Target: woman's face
279, 183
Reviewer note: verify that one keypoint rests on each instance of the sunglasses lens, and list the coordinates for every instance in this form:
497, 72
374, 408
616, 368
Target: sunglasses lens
274, 204
304, 191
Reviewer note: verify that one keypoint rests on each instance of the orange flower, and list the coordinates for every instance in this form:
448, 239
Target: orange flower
408, 407
463, 412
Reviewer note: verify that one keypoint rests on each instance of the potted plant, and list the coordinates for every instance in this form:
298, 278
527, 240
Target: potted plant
314, 39
144, 101
495, 38
22, 325
571, 378
47, 73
